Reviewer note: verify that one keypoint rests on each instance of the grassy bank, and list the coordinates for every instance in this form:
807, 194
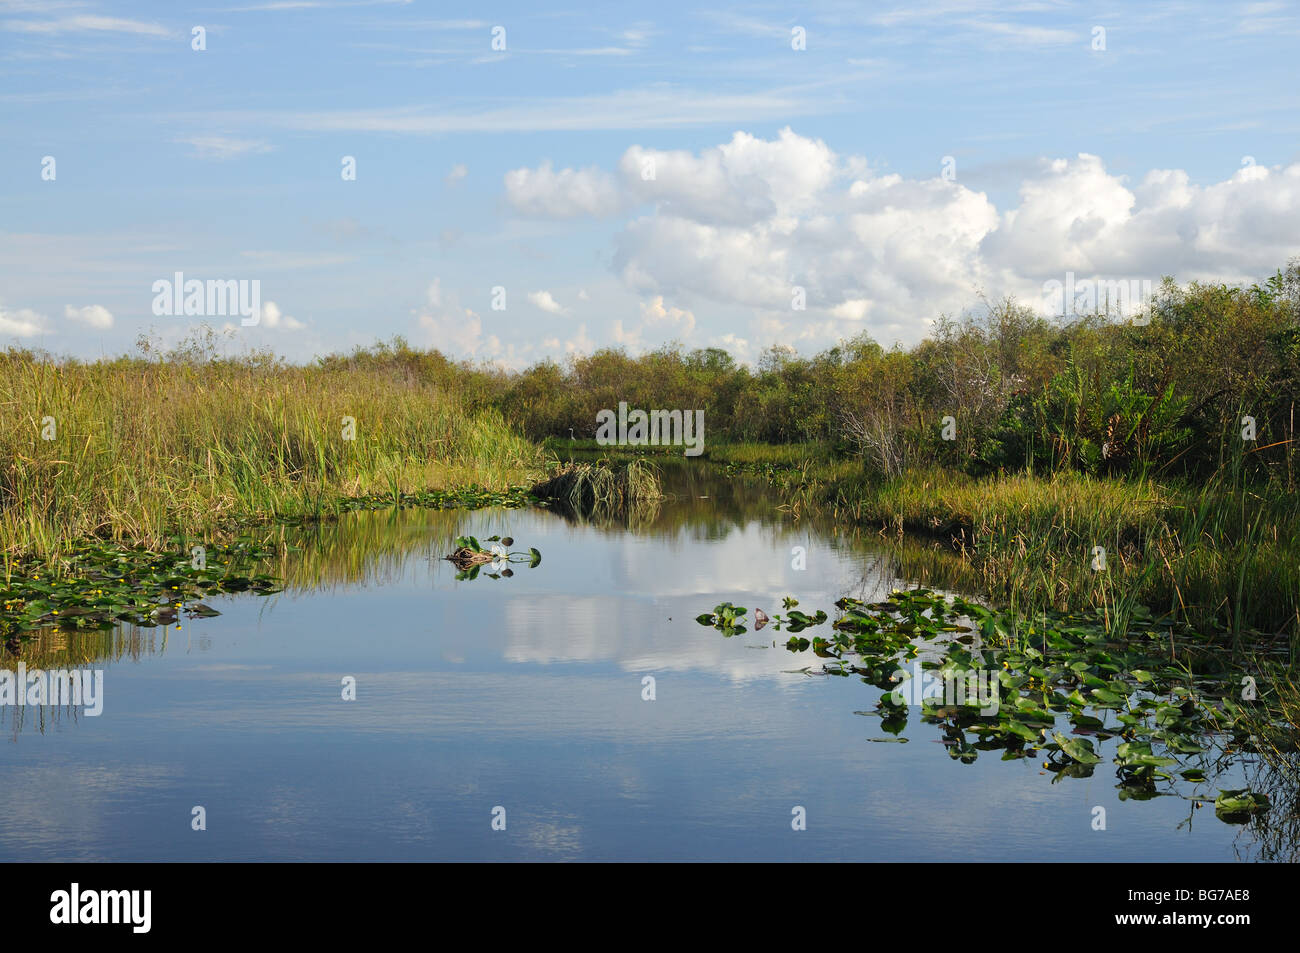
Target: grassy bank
1221, 556
138, 449
725, 452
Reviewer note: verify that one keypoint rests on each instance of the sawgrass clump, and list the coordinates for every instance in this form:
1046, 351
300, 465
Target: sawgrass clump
587, 488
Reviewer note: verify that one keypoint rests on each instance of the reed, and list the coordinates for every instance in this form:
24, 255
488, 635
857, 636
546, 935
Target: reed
141, 449
1222, 556
1275, 724
586, 488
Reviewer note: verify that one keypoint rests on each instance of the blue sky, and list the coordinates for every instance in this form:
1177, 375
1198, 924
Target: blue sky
909, 159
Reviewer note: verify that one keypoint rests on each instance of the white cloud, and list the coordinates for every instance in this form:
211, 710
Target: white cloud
459, 331
433, 294
658, 106
854, 309
638, 34
86, 23
457, 173
737, 265
579, 344
24, 323
743, 181
655, 314
273, 317
544, 193
544, 301
749, 222
738, 347
95, 315
731, 22
658, 323
625, 338
1076, 216
1027, 35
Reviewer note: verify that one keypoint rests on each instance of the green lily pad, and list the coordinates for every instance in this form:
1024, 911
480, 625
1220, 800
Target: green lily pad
1078, 749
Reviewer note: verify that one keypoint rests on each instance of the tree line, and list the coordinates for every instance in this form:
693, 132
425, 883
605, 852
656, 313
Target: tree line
1200, 373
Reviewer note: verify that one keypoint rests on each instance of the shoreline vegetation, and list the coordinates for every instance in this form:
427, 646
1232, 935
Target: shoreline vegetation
140, 449
1141, 466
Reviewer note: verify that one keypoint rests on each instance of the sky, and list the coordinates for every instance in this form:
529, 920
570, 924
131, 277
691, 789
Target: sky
510, 183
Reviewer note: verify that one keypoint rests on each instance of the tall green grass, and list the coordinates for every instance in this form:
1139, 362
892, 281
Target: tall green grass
1222, 556
142, 449
713, 452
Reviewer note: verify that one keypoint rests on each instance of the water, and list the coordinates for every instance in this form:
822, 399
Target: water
526, 693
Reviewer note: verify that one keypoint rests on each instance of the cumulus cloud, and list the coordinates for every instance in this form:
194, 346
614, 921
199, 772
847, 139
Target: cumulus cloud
456, 330
23, 323
544, 301
655, 313
433, 294
742, 182
94, 315
273, 317
766, 223
659, 322
579, 344
453, 329
569, 193
786, 224
457, 173
459, 334
732, 344
853, 309
626, 338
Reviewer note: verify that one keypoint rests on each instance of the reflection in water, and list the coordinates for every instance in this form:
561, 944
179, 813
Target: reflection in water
1275, 835
71, 651
527, 693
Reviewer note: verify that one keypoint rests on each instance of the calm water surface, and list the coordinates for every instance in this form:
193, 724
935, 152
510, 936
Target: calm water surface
526, 693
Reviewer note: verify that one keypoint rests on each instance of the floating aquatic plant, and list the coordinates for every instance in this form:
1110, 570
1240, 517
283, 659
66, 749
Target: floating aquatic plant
725, 617
471, 556
468, 497
98, 587
1158, 696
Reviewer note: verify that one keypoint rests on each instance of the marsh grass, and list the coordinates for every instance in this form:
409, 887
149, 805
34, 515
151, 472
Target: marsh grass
144, 449
603, 488
1222, 557
728, 452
